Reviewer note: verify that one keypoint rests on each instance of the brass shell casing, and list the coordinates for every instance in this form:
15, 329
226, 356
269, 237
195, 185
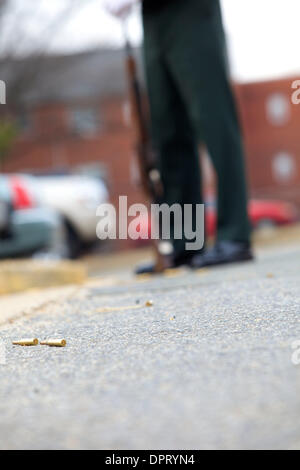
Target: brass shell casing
26, 342
59, 343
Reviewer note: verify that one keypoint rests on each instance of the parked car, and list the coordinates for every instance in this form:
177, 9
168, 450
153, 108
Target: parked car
30, 228
5, 208
262, 213
76, 198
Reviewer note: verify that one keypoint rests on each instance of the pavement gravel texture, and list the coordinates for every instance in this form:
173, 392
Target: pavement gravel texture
208, 366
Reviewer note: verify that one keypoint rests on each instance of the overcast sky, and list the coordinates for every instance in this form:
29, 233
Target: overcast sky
263, 35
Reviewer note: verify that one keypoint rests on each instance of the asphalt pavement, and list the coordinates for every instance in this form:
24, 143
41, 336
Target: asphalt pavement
207, 366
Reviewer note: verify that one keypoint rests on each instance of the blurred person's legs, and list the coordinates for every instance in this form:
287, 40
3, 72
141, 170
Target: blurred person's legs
174, 141
191, 100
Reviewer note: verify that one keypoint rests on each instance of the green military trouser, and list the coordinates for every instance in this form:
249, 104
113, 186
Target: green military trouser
191, 101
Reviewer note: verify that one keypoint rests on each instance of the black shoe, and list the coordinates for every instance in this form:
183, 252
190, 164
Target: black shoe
184, 259
224, 252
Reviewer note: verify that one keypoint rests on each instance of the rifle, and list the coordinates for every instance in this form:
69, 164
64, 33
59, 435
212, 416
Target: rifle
148, 172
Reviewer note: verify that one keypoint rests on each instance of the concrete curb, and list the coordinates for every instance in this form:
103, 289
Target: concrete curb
15, 306
18, 276
26, 304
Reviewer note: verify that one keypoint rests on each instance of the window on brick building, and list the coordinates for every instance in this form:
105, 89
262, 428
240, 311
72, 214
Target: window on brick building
24, 123
85, 121
278, 109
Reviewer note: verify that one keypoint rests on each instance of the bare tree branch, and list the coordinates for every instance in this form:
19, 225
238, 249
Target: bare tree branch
29, 64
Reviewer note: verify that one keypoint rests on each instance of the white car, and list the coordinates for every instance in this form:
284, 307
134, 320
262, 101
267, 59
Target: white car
76, 198
26, 227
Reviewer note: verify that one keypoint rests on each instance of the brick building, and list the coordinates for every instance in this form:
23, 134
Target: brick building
271, 130
75, 115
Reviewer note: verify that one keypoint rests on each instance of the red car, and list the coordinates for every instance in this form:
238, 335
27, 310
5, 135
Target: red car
262, 213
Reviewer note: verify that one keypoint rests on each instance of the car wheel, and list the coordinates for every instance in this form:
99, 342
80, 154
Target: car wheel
73, 242
266, 224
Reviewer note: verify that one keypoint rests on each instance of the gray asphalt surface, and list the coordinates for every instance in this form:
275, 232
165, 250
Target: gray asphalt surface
207, 367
